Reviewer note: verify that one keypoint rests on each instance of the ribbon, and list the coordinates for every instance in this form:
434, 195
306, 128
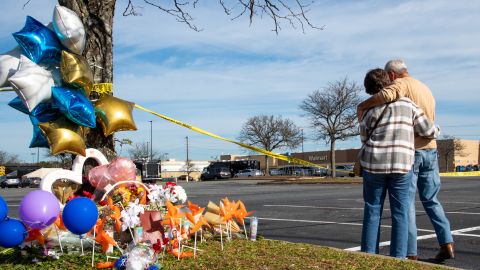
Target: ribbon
103, 88
253, 148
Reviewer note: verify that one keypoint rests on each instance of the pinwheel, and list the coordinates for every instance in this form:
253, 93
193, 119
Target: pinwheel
240, 214
104, 239
116, 214
130, 215
36, 234
59, 223
195, 217
174, 216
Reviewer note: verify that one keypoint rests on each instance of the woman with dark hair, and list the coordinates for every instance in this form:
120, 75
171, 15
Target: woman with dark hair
387, 155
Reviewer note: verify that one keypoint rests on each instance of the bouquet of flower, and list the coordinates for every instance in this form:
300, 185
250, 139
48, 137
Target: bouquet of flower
170, 192
175, 194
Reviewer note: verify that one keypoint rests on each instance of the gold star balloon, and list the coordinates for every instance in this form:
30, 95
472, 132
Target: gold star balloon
64, 136
114, 115
76, 72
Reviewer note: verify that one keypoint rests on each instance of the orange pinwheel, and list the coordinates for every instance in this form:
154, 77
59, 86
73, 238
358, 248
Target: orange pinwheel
36, 234
59, 223
116, 214
104, 240
105, 265
173, 216
101, 236
241, 212
195, 217
184, 254
227, 209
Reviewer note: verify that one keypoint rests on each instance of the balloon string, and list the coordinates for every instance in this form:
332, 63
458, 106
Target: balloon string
253, 148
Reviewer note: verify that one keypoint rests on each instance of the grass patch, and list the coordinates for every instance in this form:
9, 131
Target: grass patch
239, 254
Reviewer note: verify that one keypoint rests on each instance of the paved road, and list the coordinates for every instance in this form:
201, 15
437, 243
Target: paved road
331, 215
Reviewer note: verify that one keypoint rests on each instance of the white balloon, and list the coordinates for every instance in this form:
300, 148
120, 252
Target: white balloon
8, 65
32, 83
69, 29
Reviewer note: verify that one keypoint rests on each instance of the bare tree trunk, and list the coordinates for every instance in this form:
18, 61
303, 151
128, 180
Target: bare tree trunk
267, 172
446, 163
97, 18
332, 158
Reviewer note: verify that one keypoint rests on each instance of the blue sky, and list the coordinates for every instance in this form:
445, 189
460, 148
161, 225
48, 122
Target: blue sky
217, 78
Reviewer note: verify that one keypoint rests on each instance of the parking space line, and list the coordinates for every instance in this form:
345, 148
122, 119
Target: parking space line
353, 208
328, 222
443, 202
309, 206
423, 237
467, 234
463, 213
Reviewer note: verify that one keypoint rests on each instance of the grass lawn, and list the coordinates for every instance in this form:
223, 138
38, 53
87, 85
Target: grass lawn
238, 254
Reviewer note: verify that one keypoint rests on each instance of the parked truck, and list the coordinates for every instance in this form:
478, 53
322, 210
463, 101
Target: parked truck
227, 169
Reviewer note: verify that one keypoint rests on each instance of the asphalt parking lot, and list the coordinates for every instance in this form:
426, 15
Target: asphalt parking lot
331, 215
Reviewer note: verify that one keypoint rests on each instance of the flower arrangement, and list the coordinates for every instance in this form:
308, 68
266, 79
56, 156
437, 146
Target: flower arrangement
159, 195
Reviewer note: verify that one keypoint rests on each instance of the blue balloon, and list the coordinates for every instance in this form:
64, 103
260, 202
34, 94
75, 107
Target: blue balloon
75, 106
44, 112
38, 43
17, 104
3, 209
12, 233
80, 215
38, 139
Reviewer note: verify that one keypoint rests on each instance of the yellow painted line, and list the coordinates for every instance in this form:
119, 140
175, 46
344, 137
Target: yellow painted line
473, 173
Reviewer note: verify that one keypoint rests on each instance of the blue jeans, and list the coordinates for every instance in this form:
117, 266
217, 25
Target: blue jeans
427, 179
375, 187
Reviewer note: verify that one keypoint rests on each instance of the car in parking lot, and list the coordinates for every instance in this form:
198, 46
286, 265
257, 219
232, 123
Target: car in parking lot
215, 173
248, 173
10, 183
343, 171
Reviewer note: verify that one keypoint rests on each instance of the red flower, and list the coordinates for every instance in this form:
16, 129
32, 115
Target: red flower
170, 184
103, 203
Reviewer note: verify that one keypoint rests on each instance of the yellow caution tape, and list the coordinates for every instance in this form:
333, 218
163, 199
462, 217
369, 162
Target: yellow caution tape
103, 88
472, 173
256, 149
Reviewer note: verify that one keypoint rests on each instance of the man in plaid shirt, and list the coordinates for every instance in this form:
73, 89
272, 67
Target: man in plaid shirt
387, 133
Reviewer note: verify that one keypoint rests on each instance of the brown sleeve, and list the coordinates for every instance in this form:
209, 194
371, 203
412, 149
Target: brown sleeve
392, 92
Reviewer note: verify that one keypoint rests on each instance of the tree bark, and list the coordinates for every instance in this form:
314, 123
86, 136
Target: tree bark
332, 158
97, 18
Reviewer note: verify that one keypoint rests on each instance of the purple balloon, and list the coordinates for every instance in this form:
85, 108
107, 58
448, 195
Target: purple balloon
39, 209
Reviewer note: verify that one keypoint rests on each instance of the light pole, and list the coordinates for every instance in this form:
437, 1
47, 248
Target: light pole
147, 155
151, 142
38, 154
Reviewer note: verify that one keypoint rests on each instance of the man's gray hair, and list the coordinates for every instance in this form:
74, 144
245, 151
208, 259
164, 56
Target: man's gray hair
396, 65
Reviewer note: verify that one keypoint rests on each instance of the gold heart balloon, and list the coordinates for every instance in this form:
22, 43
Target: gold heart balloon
114, 114
76, 72
64, 136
